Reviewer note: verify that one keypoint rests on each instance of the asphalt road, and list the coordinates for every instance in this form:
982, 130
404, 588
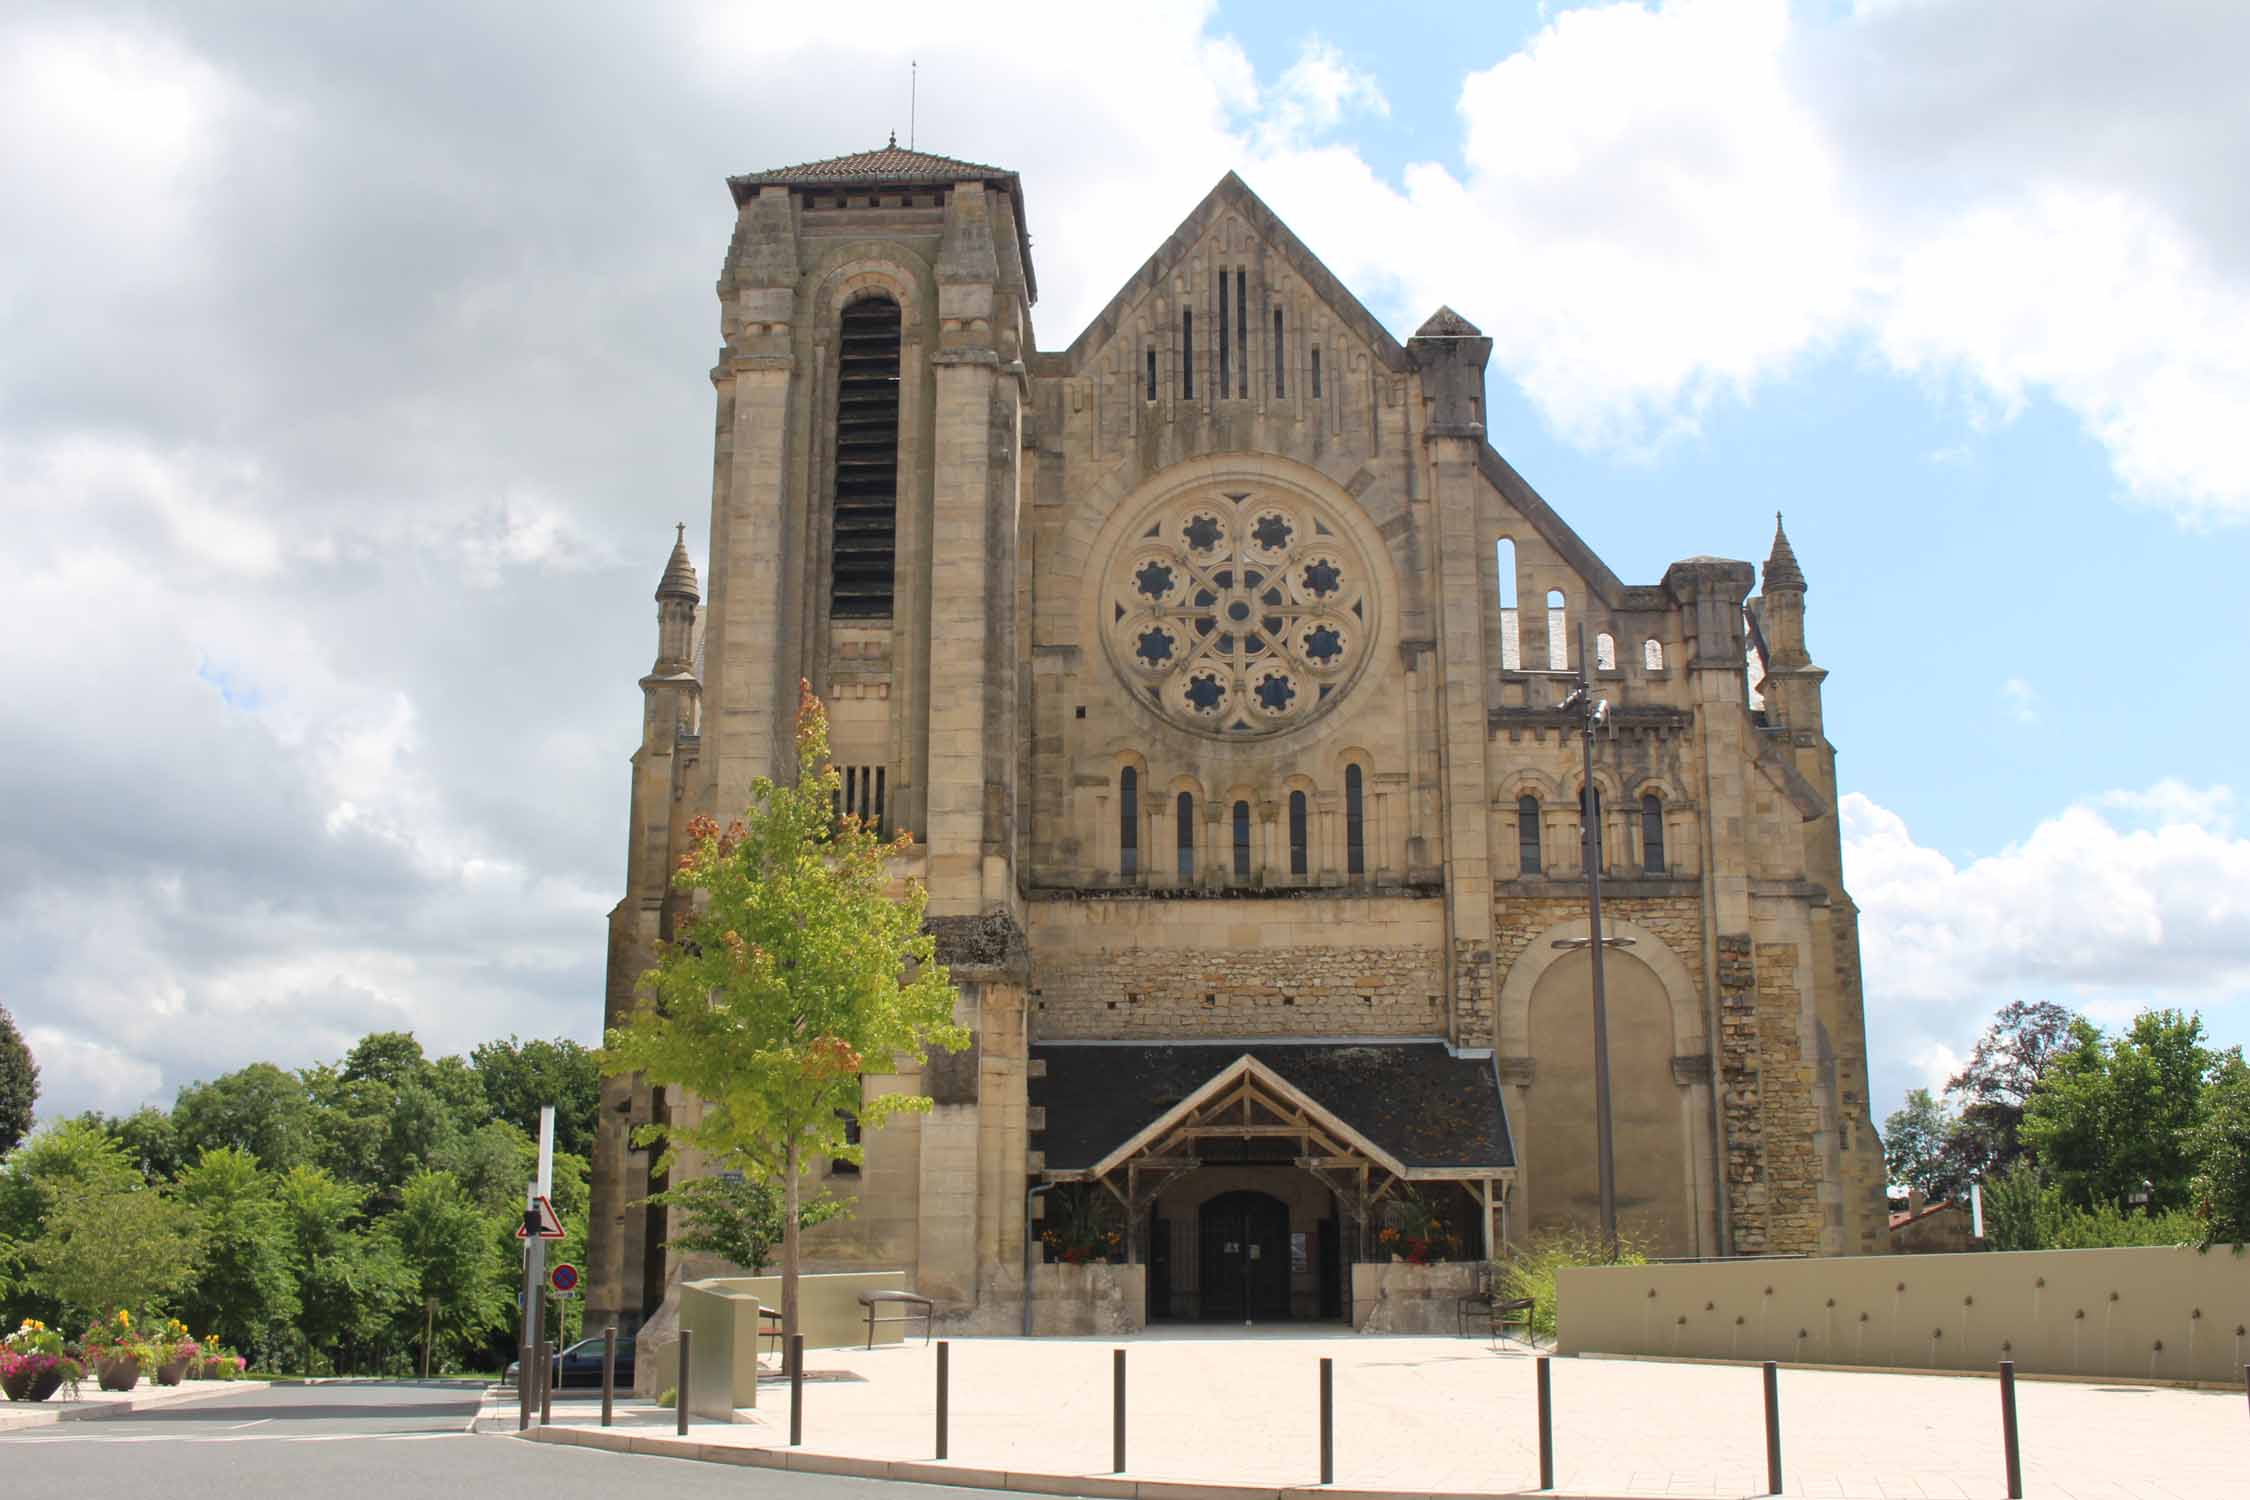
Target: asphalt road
366, 1438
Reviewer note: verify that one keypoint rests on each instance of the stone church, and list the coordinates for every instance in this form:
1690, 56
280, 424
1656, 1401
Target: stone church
1215, 661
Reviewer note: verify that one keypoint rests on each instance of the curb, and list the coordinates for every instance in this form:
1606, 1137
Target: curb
73, 1411
963, 1476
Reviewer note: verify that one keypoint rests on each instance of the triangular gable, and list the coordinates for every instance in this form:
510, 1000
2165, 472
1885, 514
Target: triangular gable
1233, 193
1267, 1079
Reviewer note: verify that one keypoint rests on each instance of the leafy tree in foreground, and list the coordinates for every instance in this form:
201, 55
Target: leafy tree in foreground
2222, 1150
519, 1077
1914, 1140
106, 1247
739, 1220
19, 1084
2109, 1115
351, 1284
449, 1251
246, 1286
798, 971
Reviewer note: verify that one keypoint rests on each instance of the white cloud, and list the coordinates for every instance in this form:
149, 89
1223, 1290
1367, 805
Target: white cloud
2103, 914
2021, 700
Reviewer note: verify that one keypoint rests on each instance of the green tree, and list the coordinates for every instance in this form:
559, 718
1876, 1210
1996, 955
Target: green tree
797, 971
492, 1163
1914, 1140
19, 1084
351, 1284
518, 1077
246, 1285
147, 1139
739, 1220
392, 1058
1993, 1087
66, 1154
2110, 1115
447, 1248
259, 1109
105, 1247
2221, 1189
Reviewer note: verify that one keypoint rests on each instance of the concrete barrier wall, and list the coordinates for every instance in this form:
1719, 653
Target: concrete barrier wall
723, 1367
1394, 1297
1090, 1299
2143, 1313
828, 1310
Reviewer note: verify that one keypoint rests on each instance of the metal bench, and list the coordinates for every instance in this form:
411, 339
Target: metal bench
910, 1305
1498, 1314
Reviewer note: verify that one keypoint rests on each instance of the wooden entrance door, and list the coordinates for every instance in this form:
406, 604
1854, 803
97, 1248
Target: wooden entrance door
1245, 1254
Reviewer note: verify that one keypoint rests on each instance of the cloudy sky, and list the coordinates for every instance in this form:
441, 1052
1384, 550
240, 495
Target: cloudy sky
352, 375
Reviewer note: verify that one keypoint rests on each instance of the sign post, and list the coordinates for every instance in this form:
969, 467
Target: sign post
539, 1225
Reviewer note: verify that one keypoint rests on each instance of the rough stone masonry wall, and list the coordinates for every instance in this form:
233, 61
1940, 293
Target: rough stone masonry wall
1772, 1113
1179, 992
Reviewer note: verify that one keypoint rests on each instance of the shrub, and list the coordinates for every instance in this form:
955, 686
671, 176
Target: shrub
1530, 1272
669, 1397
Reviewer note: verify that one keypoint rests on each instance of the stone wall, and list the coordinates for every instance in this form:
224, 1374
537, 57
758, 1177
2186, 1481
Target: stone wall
1311, 966
1094, 1299
1789, 1108
1517, 922
1399, 1298
1738, 1058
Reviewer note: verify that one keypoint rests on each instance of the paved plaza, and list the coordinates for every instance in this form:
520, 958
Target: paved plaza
1446, 1416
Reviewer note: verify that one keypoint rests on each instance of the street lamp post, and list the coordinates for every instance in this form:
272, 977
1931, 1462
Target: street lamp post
1593, 712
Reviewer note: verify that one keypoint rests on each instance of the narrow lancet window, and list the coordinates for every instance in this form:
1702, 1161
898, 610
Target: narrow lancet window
1152, 372
1242, 329
1187, 353
1511, 638
863, 539
1187, 836
1129, 821
1224, 347
1652, 655
1596, 816
1652, 835
1242, 839
1316, 374
1527, 835
1605, 653
1355, 822
1299, 860
1280, 358
1558, 632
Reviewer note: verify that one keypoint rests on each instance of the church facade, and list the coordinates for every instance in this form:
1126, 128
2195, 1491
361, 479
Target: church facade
1216, 662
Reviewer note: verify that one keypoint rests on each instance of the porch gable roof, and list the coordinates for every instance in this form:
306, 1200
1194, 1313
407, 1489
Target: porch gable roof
1413, 1107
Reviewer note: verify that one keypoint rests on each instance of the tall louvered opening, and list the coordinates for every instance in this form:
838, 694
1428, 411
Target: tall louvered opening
865, 537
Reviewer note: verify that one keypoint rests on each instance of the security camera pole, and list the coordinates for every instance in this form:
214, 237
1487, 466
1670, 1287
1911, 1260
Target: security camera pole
1593, 713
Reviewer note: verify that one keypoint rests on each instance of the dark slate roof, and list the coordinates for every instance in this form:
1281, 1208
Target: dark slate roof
884, 164
1416, 1100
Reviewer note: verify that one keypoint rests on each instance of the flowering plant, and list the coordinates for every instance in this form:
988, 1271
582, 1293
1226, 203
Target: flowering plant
113, 1338
29, 1355
35, 1337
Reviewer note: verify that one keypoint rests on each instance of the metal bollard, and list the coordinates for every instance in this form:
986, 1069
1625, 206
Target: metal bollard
943, 1403
2008, 1428
609, 1372
1546, 1428
546, 1385
1117, 1413
680, 1395
796, 1390
1773, 1428
1328, 1421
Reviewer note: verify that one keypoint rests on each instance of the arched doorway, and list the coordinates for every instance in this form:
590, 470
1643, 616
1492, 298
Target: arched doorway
1244, 1239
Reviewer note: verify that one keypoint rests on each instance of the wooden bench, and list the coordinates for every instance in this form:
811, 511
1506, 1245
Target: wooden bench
910, 1305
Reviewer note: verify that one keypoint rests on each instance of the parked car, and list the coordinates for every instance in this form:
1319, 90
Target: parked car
581, 1365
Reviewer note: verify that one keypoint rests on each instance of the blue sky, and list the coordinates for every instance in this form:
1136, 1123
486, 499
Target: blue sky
362, 379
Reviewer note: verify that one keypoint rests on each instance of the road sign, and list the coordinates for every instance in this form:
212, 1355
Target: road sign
563, 1278
541, 1212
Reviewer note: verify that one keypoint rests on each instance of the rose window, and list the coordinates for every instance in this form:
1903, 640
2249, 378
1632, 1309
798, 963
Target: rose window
1239, 615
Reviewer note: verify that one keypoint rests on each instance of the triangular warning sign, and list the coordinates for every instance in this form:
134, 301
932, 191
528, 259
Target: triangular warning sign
550, 1227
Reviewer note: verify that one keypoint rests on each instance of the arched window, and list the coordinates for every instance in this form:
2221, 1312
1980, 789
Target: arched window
1316, 374
1355, 822
1129, 821
1280, 386
1504, 569
1298, 862
1652, 834
1652, 655
1597, 823
1558, 632
1527, 835
1187, 836
863, 533
1187, 353
1605, 653
1242, 839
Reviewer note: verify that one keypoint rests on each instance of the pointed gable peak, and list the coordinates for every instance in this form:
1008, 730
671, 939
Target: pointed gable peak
679, 572
1781, 570
1445, 323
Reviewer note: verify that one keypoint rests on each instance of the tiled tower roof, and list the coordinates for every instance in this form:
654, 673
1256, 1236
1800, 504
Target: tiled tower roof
884, 164
1782, 571
679, 572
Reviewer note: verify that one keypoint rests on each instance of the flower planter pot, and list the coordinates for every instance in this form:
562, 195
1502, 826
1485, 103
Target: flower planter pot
171, 1372
32, 1385
120, 1373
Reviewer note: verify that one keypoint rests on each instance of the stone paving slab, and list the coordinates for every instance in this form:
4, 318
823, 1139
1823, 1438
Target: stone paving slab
94, 1402
1438, 1416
